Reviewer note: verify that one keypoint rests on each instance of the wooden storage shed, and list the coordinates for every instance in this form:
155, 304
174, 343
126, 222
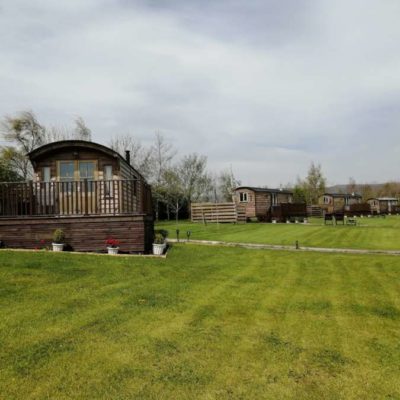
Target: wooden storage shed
85, 188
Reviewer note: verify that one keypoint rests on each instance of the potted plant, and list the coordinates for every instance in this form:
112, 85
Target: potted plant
58, 240
159, 244
112, 246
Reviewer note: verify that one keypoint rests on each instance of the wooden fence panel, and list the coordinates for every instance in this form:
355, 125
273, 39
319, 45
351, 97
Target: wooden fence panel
217, 212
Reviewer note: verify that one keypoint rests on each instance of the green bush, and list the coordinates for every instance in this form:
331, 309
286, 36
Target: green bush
160, 235
58, 236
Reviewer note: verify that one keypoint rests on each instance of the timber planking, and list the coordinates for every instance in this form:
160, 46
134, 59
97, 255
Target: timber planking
217, 212
135, 232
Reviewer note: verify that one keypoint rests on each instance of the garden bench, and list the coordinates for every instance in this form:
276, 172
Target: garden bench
339, 217
328, 217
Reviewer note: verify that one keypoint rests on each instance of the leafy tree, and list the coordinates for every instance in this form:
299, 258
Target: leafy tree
8, 171
299, 193
313, 185
141, 157
26, 133
13, 164
367, 191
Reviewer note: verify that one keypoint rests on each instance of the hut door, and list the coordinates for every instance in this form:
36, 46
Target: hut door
66, 187
77, 193
87, 176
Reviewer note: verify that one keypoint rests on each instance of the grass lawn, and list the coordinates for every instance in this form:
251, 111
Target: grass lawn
370, 233
205, 323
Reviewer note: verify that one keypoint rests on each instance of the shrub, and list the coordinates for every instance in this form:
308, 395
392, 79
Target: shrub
58, 236
160, 236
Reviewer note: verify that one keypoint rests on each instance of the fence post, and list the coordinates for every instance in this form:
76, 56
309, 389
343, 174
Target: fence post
31, 198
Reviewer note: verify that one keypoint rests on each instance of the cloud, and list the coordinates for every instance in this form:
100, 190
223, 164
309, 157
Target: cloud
264, 86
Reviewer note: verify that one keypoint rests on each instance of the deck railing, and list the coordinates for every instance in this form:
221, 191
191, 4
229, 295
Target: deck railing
69, 198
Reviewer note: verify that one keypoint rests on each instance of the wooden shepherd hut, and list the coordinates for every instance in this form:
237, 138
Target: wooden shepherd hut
258, 202
88, 190
383, 205
338, 202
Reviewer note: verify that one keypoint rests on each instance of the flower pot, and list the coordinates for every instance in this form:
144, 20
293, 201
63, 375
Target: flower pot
113, 250
158, 248
58, 246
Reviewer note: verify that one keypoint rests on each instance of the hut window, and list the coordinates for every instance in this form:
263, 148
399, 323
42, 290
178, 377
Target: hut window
66, 175
46, 177
86, 170
108, 175
326, 200
243, 197
66, 171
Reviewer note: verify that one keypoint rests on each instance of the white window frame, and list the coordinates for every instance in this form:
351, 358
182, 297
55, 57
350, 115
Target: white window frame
243, 197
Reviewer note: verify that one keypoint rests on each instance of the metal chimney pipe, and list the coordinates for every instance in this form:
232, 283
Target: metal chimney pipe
128, 156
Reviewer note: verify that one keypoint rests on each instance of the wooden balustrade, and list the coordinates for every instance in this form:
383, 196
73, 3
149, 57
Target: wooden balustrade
69, 198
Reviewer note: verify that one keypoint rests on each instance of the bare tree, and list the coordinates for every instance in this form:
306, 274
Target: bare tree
173, 191
351, 186
162, 154
82, 132
195, 179
141, 157
57, 133
226, 184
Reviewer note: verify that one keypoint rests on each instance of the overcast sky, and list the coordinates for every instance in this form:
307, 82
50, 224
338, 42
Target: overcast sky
266, 86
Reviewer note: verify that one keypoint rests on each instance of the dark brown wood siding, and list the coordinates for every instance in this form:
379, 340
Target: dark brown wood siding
259, 203
135, 232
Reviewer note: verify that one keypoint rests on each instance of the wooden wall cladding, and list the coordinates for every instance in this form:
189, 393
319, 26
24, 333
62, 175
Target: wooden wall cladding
135, 232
